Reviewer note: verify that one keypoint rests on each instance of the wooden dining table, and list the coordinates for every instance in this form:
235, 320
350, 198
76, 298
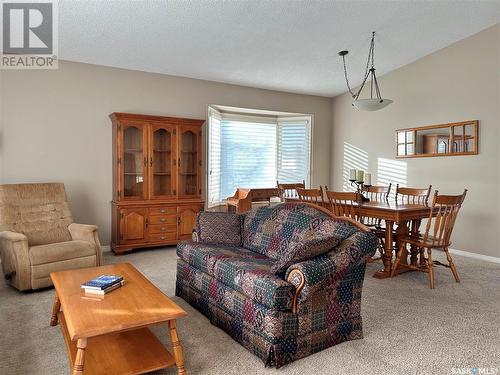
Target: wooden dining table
405, 217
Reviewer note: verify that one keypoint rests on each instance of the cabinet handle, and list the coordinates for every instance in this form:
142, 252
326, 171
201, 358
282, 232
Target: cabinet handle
179, 220
162, 210
147, 222
162, 220
163, 229
179, 162
162, 238
151, 161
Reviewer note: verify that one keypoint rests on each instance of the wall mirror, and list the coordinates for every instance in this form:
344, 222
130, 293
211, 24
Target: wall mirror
458, 138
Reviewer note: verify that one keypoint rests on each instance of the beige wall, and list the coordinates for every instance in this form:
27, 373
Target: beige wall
460, 82
56, 126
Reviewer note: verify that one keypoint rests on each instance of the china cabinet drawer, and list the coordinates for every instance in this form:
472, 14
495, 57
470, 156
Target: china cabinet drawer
166, 219
162, 210
158, 237
162, 229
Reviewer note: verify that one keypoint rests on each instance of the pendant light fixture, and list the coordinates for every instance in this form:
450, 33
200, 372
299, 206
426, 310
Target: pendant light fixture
373, 103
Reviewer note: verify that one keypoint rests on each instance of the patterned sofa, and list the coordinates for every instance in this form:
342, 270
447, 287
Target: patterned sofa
283, 281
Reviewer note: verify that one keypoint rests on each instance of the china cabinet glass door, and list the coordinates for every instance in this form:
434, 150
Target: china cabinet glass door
188, 161
133, 162
162, 162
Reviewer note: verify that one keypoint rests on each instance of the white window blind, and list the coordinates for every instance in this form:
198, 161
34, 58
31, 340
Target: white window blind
248, 154
255, 151
294, 151
214, 158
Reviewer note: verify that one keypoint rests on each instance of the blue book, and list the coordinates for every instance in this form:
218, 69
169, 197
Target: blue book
102, 282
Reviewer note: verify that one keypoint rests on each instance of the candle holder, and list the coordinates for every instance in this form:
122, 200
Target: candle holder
359, 189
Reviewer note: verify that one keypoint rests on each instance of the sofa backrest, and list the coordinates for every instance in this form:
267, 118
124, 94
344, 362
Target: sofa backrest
270, 230
39, 211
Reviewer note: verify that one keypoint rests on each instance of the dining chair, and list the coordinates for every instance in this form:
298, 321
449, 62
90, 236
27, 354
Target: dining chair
407, 195
343, 203
377, 193
377, 226
437, 235
311, 195
289, 191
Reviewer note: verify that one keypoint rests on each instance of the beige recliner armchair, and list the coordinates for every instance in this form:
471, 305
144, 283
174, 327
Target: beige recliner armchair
38, 236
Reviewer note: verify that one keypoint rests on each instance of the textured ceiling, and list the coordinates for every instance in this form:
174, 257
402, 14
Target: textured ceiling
274, 44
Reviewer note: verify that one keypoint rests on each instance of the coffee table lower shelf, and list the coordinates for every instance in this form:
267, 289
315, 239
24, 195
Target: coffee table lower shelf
131, 352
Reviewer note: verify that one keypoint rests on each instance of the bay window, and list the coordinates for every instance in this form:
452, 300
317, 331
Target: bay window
253, 151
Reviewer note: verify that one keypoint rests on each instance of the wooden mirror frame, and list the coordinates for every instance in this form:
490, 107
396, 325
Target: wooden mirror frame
412, 143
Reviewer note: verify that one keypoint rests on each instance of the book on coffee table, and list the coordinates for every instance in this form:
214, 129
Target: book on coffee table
104, 291
102, 282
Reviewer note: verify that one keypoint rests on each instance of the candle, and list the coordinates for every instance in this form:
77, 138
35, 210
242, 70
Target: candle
368, 179
352, 174
360, 176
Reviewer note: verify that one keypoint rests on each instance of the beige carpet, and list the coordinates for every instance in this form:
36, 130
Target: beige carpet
408, 328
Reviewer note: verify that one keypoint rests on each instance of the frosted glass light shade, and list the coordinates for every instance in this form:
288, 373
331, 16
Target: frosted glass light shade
371, 104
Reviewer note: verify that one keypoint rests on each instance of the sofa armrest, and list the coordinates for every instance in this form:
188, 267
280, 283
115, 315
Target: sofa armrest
14, 252
324, 270
86, 232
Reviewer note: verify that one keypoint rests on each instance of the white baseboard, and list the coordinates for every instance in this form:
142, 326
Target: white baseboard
105, 248
467, 254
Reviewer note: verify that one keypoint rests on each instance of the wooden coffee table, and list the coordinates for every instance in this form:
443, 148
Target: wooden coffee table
110, 334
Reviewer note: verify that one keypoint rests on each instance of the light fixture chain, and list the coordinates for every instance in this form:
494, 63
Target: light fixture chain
347, 79
367, 70
372, 48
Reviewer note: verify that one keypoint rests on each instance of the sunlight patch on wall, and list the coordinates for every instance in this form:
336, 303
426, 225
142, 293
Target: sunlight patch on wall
354, 158
391, 171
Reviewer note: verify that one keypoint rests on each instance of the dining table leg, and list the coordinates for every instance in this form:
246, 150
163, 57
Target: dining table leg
386, 272
401, 232
415, 231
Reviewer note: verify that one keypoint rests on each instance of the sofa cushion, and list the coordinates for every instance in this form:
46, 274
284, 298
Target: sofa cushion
219, 227
241, 269
56, 252
252, 277
203, 256
322, 236
274, 231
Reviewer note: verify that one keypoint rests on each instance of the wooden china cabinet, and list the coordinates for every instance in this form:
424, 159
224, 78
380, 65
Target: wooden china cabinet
156, 180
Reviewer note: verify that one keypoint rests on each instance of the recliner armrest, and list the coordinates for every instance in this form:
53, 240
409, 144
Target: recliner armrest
13, 236
14, 252
89, 233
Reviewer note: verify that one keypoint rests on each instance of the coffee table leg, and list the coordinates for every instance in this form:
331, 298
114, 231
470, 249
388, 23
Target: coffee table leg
55, 310
179, 358
81, 344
